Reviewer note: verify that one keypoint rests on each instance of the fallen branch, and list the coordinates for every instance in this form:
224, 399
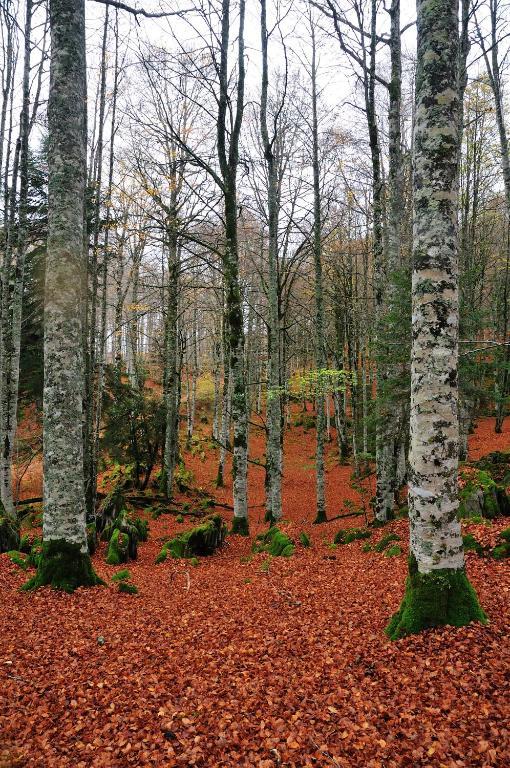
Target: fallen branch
26, 502
342, 517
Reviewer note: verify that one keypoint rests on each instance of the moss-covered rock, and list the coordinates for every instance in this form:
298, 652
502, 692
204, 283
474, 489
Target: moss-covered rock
200, 541
393, 551
62, 565
304, 539
482, 496
123, 575
129, 589
495, 464
118, 548
275, 542
438, 598
502, 550
347, 535
9, 532
385, 541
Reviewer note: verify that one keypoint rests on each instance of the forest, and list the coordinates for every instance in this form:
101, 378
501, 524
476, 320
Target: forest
254, 383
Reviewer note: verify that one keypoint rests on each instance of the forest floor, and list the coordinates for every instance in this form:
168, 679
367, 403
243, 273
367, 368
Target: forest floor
236, 663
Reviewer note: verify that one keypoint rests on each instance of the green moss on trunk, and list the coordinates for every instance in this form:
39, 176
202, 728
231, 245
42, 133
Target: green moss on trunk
240, 526
62, 565
435, 599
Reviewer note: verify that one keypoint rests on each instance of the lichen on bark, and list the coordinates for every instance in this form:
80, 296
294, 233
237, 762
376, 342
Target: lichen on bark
438, 591
65, 562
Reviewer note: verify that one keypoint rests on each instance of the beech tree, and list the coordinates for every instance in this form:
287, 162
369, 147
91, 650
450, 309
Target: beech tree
438, 590
65, 561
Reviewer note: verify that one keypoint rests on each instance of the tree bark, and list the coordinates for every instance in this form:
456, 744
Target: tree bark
65, 561
274, 453
12, 287
228, 161
438, 591
320, 353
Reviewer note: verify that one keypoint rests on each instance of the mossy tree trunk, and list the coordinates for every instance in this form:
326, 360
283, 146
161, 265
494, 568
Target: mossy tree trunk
228, 158
387, 441
274, 452
65, 561
438, 591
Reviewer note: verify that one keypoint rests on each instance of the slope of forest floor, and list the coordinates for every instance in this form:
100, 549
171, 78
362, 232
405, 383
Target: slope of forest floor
245, 662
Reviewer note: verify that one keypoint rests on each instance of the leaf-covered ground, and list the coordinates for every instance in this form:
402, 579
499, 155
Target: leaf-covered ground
241, 662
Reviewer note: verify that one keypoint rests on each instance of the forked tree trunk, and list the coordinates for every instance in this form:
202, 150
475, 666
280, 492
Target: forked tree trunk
438, 591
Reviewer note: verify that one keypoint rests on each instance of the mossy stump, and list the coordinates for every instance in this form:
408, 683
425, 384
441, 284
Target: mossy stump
240, 526
134, 530
62, 565
111, 507
435, 599
118, 549
200, 541
9, 532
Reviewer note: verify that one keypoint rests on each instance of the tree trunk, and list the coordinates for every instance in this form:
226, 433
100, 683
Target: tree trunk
171, 365
438, 591
228, 161
385, 274
274, 453
12, 289
65, 562
319, 298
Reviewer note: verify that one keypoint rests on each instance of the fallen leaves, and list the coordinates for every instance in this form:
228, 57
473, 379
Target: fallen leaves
291, 670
